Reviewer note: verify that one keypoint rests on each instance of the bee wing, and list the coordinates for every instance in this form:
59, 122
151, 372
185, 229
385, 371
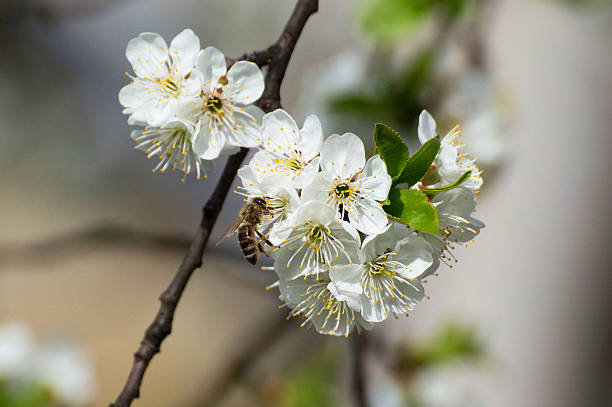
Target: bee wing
230, 231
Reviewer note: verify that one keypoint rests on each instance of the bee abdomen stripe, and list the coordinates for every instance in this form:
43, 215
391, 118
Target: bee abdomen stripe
248, 248
248, 243
244, 232
252, 258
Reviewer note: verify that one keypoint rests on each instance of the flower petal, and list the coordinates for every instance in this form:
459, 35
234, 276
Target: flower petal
280, 231
413, 292
280, 132
375, 245
373, 311
207, 143
344, 155
307, 174
184, 50
148, 54
292, 291
353, 300
415, 254
446, 161
316, 213
292, 262
311, 137
367, 216
455, 208
210, 64
245, 131
136, 99
427, 127
319, 187
374, 181
346, 279
245, 83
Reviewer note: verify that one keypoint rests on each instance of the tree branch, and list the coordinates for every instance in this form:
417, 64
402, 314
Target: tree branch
161, 326
281, 51
358, 380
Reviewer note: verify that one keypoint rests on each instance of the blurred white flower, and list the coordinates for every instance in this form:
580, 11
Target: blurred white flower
222, 121
16, 350
454, 385
316, 244
350, 185
67, 370
383, 388
287, 152
162, 78
476, 102
60, 366
337, 75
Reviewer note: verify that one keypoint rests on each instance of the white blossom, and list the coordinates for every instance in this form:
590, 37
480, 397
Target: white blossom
448, 385
322, 304
485, 114
172, 143
388, 273
457, 225
316, 244
219, 108
281, 198
450, 162
66, 369
287, 151
163, 77
349, 184
455, 208
16, 349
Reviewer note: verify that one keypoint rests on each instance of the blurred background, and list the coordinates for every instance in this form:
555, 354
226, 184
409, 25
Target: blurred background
90, 237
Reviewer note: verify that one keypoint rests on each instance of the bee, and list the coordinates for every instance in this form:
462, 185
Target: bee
249, 218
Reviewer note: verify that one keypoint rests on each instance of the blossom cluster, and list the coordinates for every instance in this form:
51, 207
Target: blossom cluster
187, 106
352, 237
350, 245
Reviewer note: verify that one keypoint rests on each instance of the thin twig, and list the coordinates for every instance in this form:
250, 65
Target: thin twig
161, 326
358, 379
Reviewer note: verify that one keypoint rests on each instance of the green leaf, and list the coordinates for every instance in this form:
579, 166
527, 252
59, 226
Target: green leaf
419, 163
455, 8
311, 384
390, 20
353, 103
412, 208
391, 148
455, 184
454, 341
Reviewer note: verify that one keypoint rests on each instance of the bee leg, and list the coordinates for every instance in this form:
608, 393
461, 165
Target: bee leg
265, 239
262, 249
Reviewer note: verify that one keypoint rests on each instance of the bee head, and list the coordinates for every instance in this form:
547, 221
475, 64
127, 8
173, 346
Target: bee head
260, 202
